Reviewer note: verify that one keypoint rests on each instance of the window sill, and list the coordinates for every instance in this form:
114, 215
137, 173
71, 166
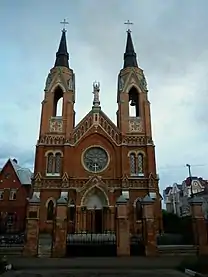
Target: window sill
137, 175
49, 221
53, 174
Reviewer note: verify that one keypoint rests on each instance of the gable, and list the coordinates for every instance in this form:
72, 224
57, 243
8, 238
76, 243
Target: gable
11, 168
96, 120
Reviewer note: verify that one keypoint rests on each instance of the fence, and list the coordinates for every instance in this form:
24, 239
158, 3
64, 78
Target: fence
12, 237
92, 233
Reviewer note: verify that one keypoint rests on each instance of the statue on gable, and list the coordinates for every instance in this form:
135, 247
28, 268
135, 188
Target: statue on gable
96, 91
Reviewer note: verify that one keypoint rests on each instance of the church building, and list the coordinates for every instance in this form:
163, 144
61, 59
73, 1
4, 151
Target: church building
93, 166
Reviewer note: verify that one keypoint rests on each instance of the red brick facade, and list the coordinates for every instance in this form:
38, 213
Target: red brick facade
15, 187
128, 147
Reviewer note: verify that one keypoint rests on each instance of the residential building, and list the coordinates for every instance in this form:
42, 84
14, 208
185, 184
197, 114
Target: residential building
176, 196
15, 189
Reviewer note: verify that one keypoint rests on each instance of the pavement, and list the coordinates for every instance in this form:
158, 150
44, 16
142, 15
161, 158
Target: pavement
94, 273
169, 262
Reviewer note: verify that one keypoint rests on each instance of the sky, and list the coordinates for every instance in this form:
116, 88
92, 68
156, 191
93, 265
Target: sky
171, 41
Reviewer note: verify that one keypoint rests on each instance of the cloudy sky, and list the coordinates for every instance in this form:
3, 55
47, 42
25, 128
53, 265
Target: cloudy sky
171, 41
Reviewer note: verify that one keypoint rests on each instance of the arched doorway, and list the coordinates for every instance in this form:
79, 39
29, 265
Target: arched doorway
95, 204
93, 235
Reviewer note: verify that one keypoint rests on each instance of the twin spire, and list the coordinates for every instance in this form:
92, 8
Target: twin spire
62, 56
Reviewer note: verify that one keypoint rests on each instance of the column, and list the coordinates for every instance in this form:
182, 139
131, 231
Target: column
149, 227
78, 217
122, 227
32, 228
60, 229
199, 225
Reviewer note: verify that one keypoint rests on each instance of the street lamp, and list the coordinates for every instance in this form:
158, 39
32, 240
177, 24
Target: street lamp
190, 176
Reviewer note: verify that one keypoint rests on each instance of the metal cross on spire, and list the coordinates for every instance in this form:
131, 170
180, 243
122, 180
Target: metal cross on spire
128, 23
64, 22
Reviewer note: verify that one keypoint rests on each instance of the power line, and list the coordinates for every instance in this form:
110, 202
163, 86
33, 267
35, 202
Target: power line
180, 166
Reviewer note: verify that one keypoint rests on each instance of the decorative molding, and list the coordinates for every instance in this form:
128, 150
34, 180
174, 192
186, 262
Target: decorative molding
80, 185
56, 125
135, 125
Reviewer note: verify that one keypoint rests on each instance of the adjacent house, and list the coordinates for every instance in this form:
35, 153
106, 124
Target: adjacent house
15, 188
176, 196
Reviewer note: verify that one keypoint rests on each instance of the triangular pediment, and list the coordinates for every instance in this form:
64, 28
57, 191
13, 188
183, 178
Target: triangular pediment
103, 125
93, 181
38, 177
132, 80
65, 177
56, 79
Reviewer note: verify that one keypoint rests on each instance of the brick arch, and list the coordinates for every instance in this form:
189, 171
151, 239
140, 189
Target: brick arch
132, 152
133, 86
56, 86
92, 191
48, 200
58, 152
49, 152
140, 152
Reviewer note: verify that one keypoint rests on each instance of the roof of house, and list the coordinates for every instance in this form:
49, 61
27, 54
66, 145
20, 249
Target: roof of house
24, 174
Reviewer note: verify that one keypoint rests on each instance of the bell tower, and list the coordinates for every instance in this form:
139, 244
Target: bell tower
58, 114
133, 115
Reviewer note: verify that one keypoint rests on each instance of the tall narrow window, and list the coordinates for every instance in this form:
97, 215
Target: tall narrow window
58, 163
50, 210
134, 102
138, 210
140, 164
50, 163
132, 164
58, 102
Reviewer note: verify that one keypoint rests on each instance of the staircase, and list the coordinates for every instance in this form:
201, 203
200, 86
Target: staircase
45, 245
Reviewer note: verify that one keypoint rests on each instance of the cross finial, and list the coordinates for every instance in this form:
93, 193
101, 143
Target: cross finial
64, 22
128, 23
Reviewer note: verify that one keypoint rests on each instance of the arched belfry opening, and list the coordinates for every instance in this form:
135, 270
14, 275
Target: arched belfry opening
134, 102
96, 215
58, 102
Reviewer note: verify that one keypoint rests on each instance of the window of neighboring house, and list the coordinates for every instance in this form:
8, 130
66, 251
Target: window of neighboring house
13, 195
1, 194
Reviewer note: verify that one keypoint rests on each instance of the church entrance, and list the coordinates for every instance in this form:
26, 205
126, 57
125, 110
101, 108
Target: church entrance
94, 232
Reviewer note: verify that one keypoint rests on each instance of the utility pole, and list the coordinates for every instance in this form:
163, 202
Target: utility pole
190, 176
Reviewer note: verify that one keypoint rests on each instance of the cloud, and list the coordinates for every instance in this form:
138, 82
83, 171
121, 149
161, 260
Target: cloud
170, 39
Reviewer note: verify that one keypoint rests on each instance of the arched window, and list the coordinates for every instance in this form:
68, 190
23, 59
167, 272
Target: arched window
132, 163
50, 159
138, 210
50, 210
58, 163
140, 164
